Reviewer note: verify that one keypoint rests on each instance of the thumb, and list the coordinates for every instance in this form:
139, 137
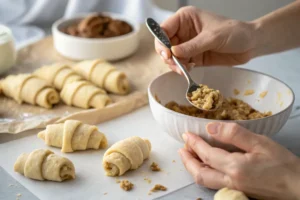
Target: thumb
199, 44
232, 133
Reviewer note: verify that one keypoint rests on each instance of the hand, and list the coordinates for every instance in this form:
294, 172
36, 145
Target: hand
265, 170
206, 39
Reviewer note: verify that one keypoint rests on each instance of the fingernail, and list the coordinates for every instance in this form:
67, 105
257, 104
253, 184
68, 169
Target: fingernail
184, 137
212, 128
164, 55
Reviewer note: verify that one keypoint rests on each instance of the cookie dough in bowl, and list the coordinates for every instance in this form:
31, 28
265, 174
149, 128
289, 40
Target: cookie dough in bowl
77, 38
264, 116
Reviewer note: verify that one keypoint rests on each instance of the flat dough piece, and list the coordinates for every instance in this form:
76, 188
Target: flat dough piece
126, 155
83, 94
73, 135
229, 194
44, 165
30, 89
104, 75
57, 75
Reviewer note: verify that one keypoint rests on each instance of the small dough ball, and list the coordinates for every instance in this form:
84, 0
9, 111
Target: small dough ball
229, 194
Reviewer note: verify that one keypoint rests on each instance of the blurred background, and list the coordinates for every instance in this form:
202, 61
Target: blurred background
238, 9
30, 20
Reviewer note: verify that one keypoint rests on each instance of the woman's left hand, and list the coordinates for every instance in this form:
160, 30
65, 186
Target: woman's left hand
265, 170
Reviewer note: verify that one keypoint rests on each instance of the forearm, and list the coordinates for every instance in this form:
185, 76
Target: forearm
278, 31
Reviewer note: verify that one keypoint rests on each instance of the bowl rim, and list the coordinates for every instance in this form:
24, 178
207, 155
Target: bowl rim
135, 25
152, 98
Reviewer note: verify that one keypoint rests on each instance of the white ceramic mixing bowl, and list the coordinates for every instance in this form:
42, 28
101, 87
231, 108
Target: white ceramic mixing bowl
78, 48
172, 87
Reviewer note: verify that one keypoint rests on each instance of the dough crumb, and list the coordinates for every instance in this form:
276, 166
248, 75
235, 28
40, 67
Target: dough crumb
173, 161
158, 187
199, 198
105, 193
18, 196
126, 185
249, 81
149, 193
248, 92
10, 185
236, 92
263, 94
117, 180
205, 97
148, 180
154, 167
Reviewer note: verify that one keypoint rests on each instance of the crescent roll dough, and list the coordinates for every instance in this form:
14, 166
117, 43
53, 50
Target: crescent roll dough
126, 155
83, 94
44, 165
104, 75
30, 89
229, 194
57, 75
73, 135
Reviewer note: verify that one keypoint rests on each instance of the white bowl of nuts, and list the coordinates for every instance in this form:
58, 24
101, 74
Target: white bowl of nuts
98, 35
256, 101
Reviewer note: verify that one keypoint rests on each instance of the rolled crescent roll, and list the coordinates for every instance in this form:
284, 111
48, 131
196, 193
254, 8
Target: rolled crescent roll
229, 194
57, 75
126, 155
30, 89
73, 135
43, 165
83, 94
104, 75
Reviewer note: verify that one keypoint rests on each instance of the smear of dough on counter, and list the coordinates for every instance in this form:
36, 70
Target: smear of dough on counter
249, 92
263, 94
236, 92
148, 180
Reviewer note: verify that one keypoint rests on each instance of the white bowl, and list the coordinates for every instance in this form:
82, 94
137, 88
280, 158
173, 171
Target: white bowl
77, 48
172, 87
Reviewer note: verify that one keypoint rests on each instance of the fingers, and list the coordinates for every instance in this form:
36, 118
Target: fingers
214, 157
197, 45
236, 135
171, 25
202, 174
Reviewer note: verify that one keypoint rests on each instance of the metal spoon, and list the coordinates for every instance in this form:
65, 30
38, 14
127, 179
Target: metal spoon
160, 34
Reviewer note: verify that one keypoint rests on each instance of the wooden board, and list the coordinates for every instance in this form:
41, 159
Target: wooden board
140, 68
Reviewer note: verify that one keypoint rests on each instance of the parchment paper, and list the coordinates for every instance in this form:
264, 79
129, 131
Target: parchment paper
140, 68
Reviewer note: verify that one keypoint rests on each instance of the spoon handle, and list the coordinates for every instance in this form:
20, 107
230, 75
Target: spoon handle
184, 71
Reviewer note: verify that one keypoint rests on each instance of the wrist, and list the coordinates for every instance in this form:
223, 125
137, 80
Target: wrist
260, 41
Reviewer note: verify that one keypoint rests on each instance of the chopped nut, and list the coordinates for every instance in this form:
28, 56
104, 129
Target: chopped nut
105, 193
154, 167
158, 187
173, 161
126, 185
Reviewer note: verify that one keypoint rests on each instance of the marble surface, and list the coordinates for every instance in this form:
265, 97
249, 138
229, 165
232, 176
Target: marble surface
284, 66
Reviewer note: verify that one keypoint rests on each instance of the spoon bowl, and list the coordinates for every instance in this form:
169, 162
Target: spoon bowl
162, 37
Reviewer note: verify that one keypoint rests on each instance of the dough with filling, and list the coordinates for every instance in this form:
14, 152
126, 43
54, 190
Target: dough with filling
43, 165
127, 154
229, 194
104, 75
30, 89
83, 94
57, 75
73, 135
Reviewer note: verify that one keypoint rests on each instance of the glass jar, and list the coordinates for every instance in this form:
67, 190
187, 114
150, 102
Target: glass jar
7, 49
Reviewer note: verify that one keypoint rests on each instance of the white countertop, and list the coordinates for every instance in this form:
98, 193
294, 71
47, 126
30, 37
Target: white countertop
285, 66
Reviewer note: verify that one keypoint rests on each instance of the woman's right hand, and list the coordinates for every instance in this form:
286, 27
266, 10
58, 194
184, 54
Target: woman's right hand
206, 39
